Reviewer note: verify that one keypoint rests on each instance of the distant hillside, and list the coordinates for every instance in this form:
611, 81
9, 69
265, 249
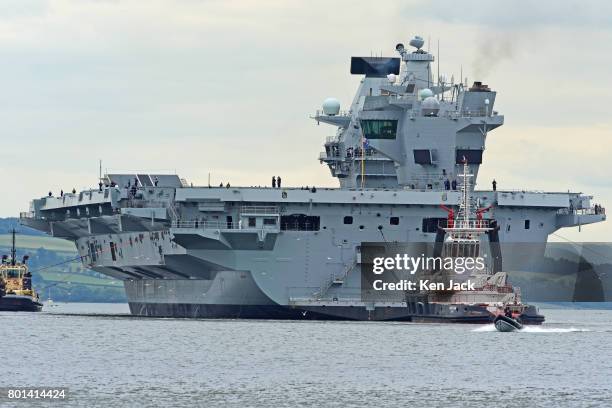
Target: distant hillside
31, 242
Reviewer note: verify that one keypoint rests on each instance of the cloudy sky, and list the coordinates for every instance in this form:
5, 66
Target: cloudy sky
227, 87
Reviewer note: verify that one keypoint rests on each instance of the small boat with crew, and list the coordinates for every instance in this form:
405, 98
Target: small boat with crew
506, 323
16, 292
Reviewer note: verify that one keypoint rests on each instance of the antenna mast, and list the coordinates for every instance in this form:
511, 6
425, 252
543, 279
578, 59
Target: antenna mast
438, 62
13, 250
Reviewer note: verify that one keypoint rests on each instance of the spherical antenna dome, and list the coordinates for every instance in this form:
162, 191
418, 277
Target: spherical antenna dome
331, 106
430, 103
430, 106
425, 93
417, 42
391, 78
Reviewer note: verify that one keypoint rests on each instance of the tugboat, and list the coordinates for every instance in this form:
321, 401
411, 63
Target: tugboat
16, 293
491, 298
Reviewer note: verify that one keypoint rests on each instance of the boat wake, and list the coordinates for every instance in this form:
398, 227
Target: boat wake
534, 329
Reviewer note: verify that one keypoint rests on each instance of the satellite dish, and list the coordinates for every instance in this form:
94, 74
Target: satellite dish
399, 47
417, 42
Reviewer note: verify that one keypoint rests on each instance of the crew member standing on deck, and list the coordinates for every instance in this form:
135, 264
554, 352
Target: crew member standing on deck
494, 185
273, 182
278, 181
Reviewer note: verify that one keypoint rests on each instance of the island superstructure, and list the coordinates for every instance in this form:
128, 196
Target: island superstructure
295, 253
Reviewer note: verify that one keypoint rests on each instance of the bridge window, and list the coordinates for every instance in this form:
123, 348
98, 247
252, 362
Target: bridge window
394, 220
348, 219
379, 129
300, 222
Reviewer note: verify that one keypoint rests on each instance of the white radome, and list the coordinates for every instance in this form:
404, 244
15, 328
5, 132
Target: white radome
430, 103
391, 78
331, 106
430, 106
425, 93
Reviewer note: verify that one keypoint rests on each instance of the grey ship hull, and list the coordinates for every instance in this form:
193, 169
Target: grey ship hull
182, 307
234, 295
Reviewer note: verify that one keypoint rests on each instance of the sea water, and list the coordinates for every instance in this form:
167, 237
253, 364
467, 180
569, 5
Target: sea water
105, 357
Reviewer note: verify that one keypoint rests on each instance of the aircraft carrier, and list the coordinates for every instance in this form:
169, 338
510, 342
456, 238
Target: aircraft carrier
286, 252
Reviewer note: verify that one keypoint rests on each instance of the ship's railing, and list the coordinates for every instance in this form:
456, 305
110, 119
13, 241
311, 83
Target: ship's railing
143, 203
469, 113
195, 224
27, 215
221, 225
295, 226
582, 211
358, 153
431, 177
506, 191
344, 113
463, 224
259, 210
330, 155
351, 153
